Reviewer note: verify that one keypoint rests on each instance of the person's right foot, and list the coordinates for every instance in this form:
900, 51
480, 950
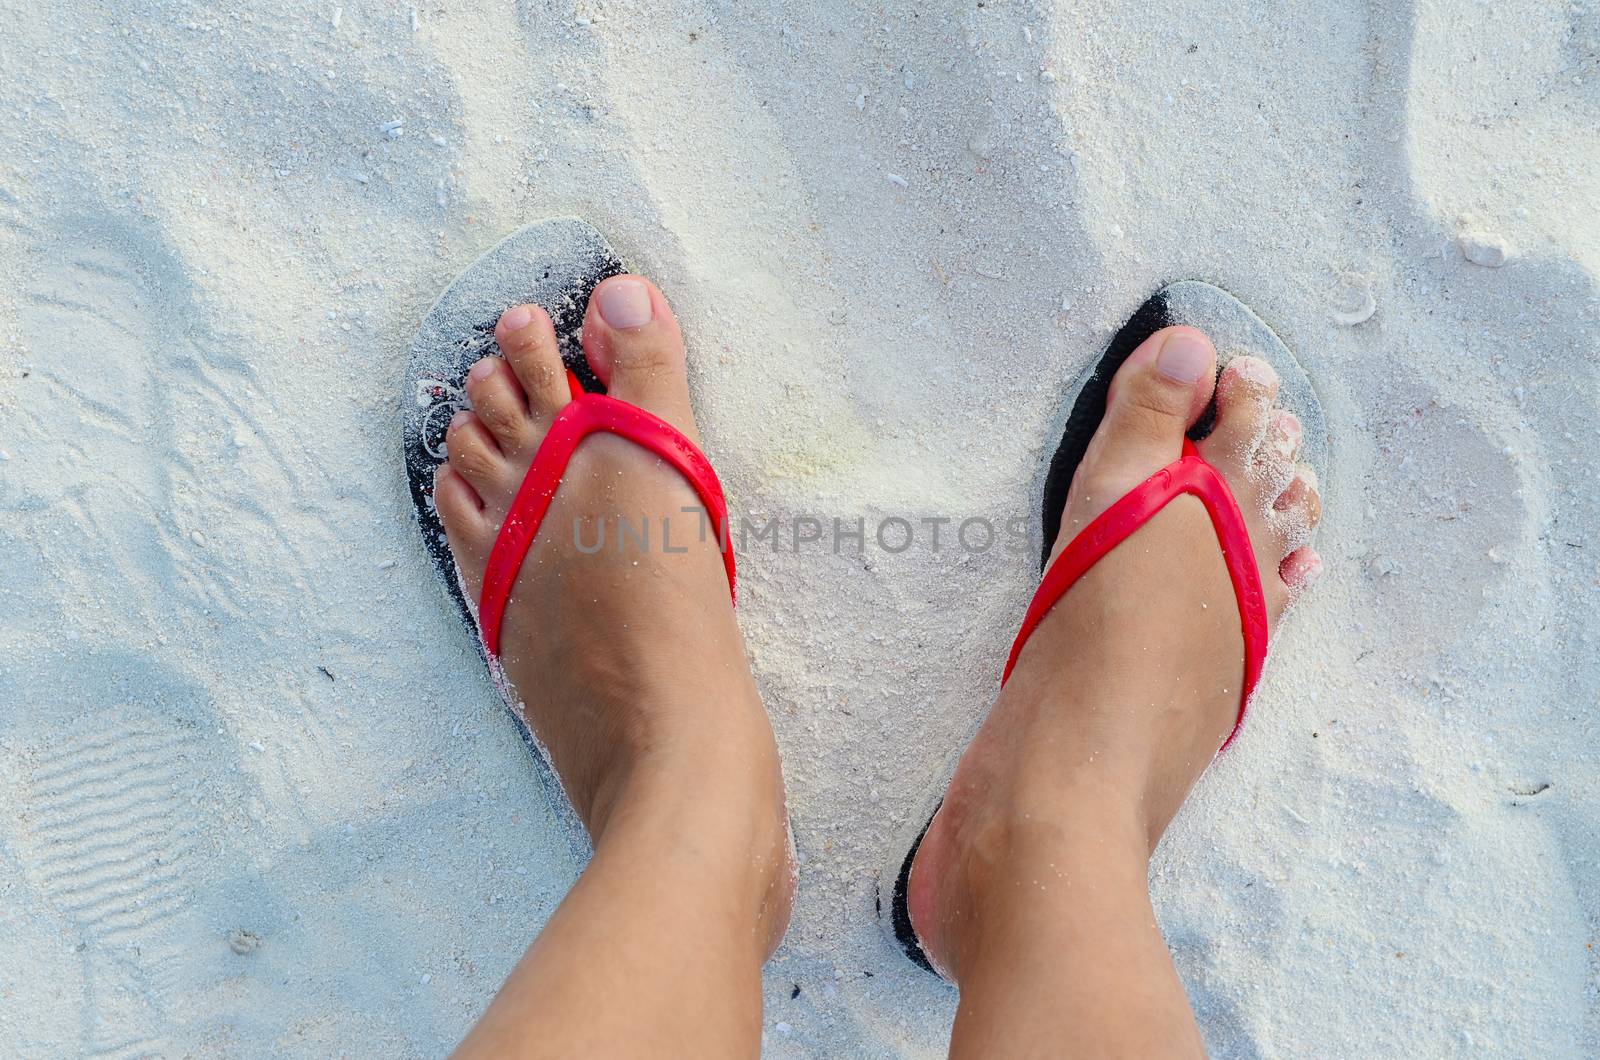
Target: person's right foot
1130, 684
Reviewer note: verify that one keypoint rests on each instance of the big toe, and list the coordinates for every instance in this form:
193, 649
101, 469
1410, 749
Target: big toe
632, 341
1156, 395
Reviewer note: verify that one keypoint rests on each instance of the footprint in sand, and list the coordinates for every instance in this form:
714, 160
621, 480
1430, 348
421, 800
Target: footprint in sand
120, 772
103, 835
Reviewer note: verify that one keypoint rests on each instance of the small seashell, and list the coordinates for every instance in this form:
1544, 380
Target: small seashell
1356, 310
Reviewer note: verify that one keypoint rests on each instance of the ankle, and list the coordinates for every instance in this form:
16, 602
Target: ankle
1066, 824
987, 862
661, 737
714, 813
1126, 747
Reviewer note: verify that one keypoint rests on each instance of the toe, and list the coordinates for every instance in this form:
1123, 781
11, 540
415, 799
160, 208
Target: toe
1283, 435
1244, 404
633, 344
1272, 467
1300, 569
528, 340
1159, 391
476, 457
466, 523
1298, 508
458, 503
501, 409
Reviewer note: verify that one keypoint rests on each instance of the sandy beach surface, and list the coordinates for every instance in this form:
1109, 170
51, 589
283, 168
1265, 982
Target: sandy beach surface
257, 794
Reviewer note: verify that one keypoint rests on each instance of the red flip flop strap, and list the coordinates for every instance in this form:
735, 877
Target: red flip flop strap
583, 416
1190, 474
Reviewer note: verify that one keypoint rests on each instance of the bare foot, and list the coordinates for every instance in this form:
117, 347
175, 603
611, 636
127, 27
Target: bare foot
628, 661
1128, 687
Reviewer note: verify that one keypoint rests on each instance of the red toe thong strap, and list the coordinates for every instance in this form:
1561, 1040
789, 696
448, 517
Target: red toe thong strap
583, 416
1192, 475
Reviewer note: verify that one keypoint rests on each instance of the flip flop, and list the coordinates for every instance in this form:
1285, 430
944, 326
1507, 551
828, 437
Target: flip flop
554, 264
1234, 329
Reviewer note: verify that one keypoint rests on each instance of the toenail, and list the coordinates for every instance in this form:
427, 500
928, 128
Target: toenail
459, 419
1254, 370
1286, 437
625, 303
516, 318
483, 369
1184, 357
1311, 572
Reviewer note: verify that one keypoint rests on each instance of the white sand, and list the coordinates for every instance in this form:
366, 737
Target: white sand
233, 697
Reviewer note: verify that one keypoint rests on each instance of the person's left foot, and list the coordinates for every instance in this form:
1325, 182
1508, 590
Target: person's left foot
627, 658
